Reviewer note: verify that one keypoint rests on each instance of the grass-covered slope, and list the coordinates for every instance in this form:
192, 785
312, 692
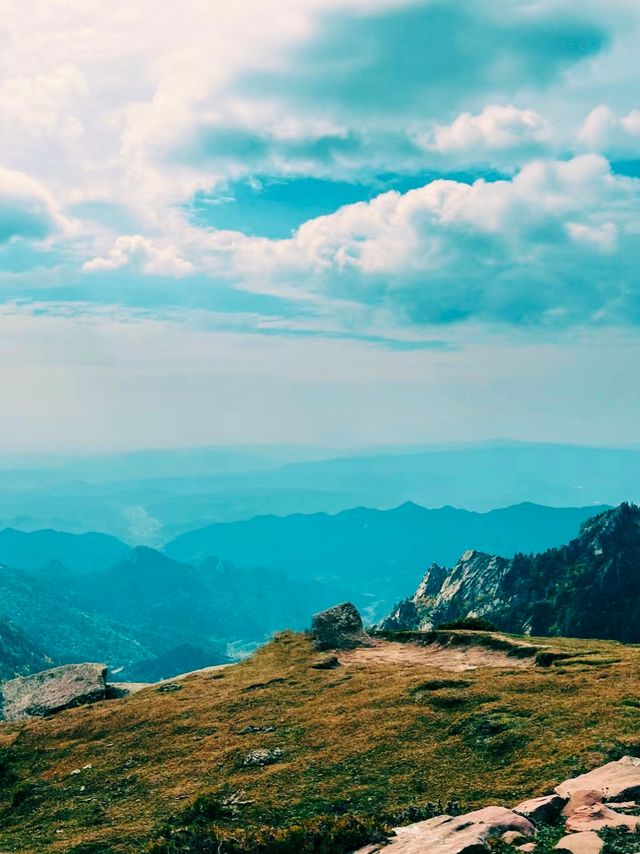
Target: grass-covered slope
368, 738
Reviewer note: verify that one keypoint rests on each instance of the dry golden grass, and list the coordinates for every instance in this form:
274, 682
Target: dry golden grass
366, 737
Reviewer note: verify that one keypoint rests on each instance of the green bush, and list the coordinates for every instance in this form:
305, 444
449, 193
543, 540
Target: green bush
327, 835
469, 624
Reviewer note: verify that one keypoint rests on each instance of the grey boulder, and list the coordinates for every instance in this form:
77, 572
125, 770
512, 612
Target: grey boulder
54, 690
339, 627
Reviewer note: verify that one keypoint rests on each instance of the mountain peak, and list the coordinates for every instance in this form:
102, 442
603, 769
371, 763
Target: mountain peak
587, 588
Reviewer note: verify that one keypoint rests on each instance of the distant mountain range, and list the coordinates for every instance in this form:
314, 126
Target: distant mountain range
378, 554
228, 587
148, 498
79, 552
149, 616
588, 588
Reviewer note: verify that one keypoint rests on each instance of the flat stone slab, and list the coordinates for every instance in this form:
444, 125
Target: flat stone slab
465, 834
54, 690
618, 781
581, 843
599, 816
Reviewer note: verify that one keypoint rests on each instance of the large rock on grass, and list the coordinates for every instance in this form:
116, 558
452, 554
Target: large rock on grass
618, 781
464, 834
339, 627
53, 691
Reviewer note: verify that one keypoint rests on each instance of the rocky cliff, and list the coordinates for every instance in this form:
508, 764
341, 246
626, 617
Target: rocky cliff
588, 588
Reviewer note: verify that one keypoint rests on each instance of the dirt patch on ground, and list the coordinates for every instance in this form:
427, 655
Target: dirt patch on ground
454, 659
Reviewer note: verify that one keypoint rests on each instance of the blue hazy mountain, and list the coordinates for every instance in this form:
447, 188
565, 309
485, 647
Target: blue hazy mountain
378, 553
88, 552
148, 616
150, 497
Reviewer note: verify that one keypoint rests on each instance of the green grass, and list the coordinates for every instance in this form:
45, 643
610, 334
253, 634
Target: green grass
364, 746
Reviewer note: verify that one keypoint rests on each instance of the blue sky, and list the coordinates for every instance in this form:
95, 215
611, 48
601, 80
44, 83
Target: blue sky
323, 221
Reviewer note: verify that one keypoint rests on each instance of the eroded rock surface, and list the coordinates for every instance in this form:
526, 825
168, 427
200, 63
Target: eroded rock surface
53, 691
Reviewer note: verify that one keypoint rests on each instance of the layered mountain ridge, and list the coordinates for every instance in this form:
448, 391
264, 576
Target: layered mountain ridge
221, 591
588, 588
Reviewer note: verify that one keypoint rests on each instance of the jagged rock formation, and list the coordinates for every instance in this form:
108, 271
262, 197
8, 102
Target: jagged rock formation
53, 690
339, 627
588, 588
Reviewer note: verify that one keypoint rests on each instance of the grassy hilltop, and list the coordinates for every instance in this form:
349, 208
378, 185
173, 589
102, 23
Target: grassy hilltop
370, 741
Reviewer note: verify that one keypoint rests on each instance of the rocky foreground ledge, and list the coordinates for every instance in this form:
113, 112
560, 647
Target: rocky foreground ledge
587, 804
55, 690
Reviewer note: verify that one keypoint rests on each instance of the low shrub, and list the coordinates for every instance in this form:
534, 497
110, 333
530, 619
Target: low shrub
469, 624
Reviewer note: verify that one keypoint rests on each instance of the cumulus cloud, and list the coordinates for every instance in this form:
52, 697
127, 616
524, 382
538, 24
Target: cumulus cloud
27, 209
605, 130
144, 254
495, 130
349, 90
556, 244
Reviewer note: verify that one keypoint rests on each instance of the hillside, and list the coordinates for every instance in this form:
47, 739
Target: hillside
373, 741
148, 616
19, 655
378, 554
167, 604
588, 588
89, 552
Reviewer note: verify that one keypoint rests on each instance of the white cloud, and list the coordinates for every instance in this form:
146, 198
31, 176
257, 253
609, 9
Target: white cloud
528, 249
496, 129
27, 209
604, 236
150, 258
604, 130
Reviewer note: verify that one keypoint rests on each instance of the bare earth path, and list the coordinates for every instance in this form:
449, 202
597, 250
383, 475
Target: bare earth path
455, 659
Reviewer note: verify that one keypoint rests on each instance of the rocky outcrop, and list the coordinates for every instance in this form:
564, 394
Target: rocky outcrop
616, 781
471, 589
588, 588
53, 691
339, 627
581, 800
466, 834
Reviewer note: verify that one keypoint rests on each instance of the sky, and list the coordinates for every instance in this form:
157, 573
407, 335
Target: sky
329, 222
